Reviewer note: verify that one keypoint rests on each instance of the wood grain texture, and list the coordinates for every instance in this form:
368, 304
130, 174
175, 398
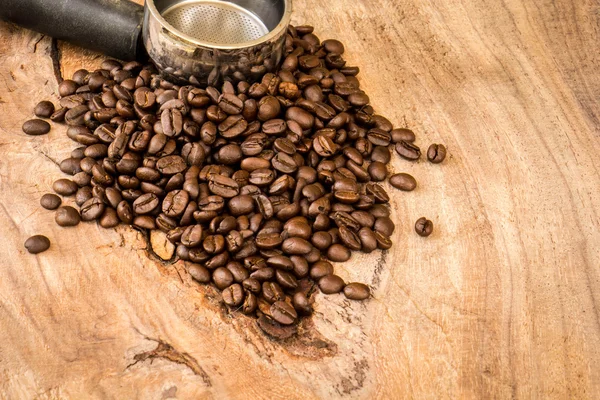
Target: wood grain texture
502, 301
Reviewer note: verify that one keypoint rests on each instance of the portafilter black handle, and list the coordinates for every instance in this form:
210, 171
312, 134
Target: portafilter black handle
112, 27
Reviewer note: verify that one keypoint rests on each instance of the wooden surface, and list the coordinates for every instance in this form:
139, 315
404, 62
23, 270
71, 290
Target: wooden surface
501, 302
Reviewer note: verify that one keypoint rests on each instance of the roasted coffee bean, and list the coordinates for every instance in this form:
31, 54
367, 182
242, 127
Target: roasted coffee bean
223, 186
283, 313
214, 244
284, 163
356, 291
231, 104
378, 192
324, 146
67, 87
321, 240
222, 278
252, 285
321, 269
36, 127
145, 204
408, 150
59, 115
67, 216
171, 165
199, 273
403, 182
239, 273
50, 201
402, 135
274, 127
75, 116
44, 109
37, 244
379, 137
109, 219
436, 153
175, 203
338, 253
368, 240
377, 171
423, 227
364, 218
65, 187
349, 238
330, 284
233, 296
191, 236
92, 209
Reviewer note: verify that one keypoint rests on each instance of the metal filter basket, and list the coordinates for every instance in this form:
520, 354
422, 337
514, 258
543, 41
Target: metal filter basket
204, 41
191, 41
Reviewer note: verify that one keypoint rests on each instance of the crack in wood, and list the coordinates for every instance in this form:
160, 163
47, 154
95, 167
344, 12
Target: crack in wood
167, 352
37, 41
55, 55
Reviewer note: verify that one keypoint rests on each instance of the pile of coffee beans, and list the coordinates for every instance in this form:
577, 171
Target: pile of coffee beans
261, 186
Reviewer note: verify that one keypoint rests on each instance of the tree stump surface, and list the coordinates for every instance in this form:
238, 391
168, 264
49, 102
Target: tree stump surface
500, 302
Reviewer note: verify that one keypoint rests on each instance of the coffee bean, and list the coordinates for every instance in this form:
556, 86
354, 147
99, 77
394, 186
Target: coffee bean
44, 109
423, 227
65, 187
109, 219
50, 201
222, 278
378, 171
403, 182
36, 127
349, 238
402, 135
330, 284
283, 313
436, 153
67, 216
59, 115
199, 273
145, 204
379, 137
338, 253
37, 244
67, 87
175, 203
240, 274
75, 116
408, 150
92, 209
223, 186
233, 295
250, 304
356, 291
171, 165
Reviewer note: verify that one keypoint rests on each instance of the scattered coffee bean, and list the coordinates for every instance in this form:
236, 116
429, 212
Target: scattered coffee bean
65, 187
330, 284
67, 216
37, 244
36, 127
424, 227
357, 291
403, 182
436, 153
44, 109
50, 201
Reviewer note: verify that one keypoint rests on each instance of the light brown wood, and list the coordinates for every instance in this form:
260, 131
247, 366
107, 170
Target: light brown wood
500, 302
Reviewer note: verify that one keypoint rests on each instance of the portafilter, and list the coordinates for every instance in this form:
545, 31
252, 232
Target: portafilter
200, 42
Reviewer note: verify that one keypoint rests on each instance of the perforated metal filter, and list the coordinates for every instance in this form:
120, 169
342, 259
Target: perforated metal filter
215, 22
